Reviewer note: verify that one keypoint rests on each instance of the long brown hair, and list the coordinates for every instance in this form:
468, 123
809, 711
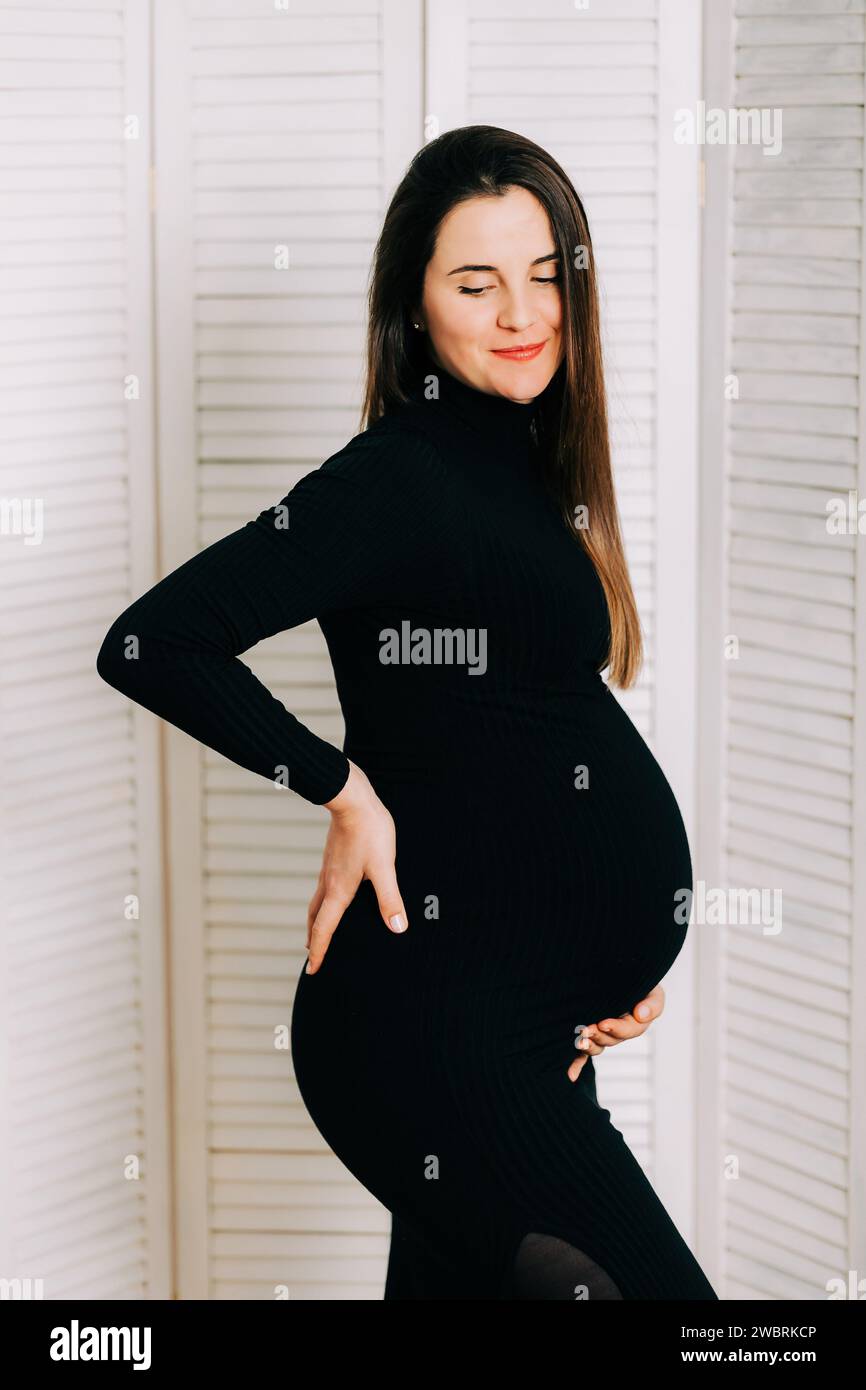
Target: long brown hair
484, 161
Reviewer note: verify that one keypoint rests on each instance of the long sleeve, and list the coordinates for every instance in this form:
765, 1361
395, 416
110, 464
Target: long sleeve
342, 537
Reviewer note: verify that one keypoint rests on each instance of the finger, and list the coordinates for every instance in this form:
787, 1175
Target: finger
603, 1039
649, 1008
313, 909
587, 1048
326, 923
618, 1029
587, 1042
384, 880
576, 1067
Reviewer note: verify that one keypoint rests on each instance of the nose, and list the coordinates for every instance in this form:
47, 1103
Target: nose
516, 312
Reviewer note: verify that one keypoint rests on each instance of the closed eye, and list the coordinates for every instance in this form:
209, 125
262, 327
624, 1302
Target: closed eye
539, 280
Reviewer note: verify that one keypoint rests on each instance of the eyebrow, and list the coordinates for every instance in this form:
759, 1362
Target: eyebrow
460, 269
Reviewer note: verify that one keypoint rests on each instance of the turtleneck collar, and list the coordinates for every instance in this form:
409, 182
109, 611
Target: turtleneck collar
495, 417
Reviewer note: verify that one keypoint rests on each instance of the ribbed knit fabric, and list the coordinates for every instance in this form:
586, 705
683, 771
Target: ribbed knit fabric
539, 845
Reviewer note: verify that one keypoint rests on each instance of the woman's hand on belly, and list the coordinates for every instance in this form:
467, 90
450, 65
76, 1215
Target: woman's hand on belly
610, 1031
361, 844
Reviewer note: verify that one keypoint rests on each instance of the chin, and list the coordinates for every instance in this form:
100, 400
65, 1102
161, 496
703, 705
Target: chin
520, 383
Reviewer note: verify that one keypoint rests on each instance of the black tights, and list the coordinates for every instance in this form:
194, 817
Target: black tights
547, 1267
544, 1266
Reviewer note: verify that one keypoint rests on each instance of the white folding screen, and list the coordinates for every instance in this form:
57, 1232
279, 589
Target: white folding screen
785, 794
599, 88
280, 134
83, 1096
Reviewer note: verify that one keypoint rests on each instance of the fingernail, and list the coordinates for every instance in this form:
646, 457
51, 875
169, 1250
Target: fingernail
397, 922
641, 1012
309, 970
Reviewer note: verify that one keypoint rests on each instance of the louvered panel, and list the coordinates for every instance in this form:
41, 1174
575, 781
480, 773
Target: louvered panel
587, 90
778, 1058
756, 582
774, 1272
78, 967
589, 95
754, 972
794, 443
794, 831
789, 746
288, 141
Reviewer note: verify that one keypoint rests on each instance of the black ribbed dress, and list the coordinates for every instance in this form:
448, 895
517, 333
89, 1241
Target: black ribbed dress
539, 845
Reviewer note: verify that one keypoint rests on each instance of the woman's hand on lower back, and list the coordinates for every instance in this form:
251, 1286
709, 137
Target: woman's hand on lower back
610, 1031
361, 844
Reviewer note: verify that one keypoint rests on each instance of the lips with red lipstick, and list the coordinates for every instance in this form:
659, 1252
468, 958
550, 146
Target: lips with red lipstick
525, 353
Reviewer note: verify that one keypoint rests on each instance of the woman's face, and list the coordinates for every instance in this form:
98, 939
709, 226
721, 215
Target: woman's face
492, 285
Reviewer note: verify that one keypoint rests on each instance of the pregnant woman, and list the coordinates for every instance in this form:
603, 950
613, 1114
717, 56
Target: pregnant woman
504, 853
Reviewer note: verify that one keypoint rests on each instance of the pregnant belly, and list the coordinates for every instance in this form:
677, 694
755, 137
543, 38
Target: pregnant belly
543, 861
